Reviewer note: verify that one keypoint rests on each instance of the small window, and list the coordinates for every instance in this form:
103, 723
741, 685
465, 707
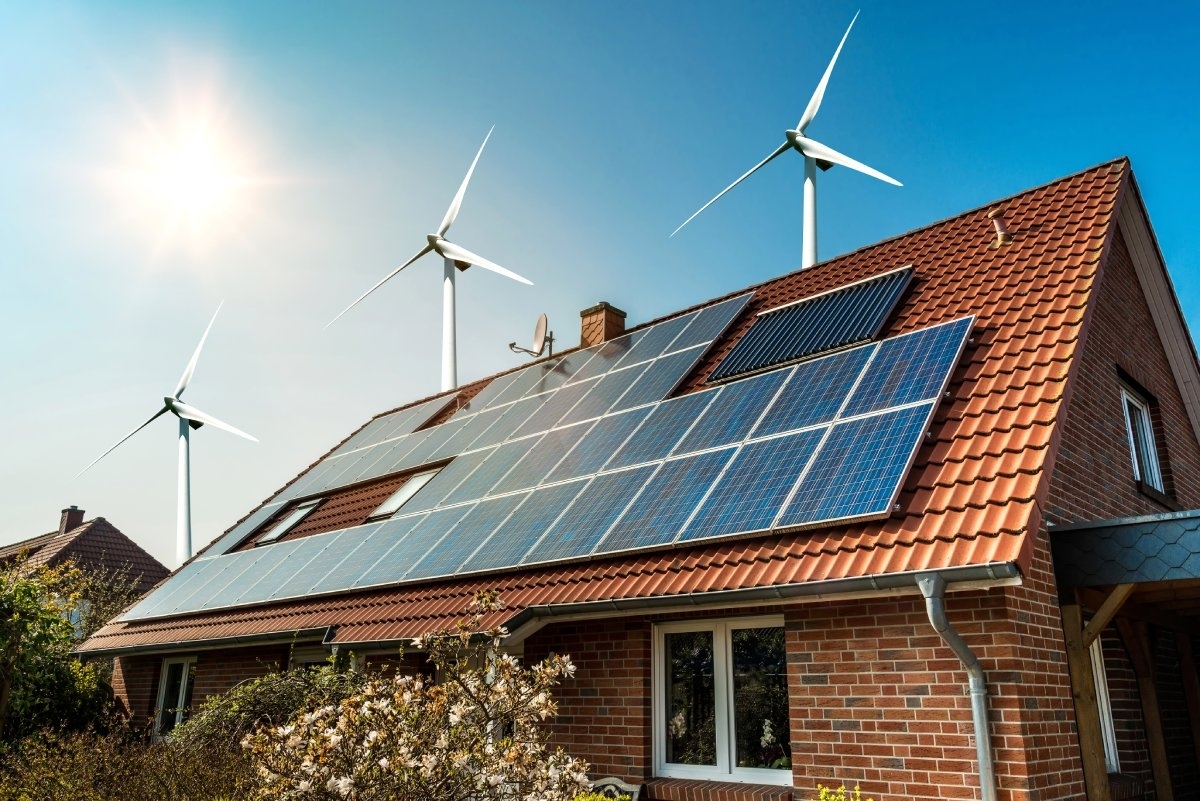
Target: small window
721, 701
1142, 448
288, 521
175, 693
1104, 707
401, 496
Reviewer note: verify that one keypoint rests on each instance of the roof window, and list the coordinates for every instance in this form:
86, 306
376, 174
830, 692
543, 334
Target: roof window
1143, 449
289, 521
401, 496
835, 319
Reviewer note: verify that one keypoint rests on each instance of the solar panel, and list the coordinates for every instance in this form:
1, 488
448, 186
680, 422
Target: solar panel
909, 368
604, 394
711, 322
817, 389
667, 425
445, 557
652, 342
833, 319
396, 423
445, 481
473, 427
359, 557
666, 502
328, 551
423, 453
532, 380
606, 355
539, 459
501, 460
243, 529
733, 415
555, 407
609, 433
509, 422
392, 536
515, 536
558, 371
576, 533
858, 469
392, 566
486, 397
157, 599
754, 487
662, 376
238, 570
289, 557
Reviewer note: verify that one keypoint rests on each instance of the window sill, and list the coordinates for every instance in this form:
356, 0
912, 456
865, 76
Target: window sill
696, 790
1158, 496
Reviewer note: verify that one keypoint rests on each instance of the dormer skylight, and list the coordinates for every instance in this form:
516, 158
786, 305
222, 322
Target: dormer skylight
402, 495
289, 521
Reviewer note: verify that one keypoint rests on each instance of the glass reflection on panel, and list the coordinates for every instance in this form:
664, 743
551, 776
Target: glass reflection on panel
691, 704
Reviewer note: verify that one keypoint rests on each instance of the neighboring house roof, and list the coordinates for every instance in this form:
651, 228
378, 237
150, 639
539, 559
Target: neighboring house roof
91, 543
970, 502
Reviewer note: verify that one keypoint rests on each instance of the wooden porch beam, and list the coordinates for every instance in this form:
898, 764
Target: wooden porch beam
1112, 604
1191, 686
1087, 713
1094, 599
1136, 635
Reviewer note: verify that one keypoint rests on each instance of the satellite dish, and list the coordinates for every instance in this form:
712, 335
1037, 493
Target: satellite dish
541, 339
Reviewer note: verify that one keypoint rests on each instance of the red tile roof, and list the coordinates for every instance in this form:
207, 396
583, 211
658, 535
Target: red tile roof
971, 497
94, 543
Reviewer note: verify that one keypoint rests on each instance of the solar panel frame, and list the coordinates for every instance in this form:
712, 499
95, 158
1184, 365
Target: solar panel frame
468, 534
667, 425
541, 458
816, 392
823, 322
659, 379
604, 394
408, 550
514, 537
711, 322
593, 450
498, 464
742, 404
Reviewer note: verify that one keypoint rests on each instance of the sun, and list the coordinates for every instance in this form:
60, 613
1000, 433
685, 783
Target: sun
193, 178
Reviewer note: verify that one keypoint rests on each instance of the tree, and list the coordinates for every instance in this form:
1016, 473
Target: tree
475, 734
41, 683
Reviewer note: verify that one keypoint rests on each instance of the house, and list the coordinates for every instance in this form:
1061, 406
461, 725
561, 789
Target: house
804, 533
90, 544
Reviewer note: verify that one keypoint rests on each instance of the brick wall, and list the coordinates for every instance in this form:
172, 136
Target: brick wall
135, 684
219, 671
1093, 478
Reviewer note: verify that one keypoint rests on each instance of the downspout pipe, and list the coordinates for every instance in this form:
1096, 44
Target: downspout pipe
933, 587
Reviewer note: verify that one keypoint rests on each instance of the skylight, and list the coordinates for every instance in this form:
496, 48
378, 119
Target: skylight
402, 495
289, 521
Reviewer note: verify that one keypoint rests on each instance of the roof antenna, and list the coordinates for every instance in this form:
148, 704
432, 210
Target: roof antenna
541, 339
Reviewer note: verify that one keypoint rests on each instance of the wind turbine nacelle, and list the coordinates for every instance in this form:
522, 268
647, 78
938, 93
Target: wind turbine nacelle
195, 424
823, 164
462, 265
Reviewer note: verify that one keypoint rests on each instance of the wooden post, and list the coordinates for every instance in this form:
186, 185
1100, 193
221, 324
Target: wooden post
1087, 714
1191, 686
1137, 642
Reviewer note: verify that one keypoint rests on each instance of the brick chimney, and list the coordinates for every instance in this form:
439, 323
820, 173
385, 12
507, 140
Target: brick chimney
71, 518
600, 323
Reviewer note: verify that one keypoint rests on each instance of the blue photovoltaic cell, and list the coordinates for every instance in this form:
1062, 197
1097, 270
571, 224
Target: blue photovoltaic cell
278, 584
397, 460
447, 556
243, 529
666, 426
538, 460
213, 580
710, 322
486, 396
445, 481
289, 556
156, 602
604, 394
396, 424
503, 428
750, 494
858, 470
391, 535
334, 547
558, 371
650, 343
359, 557
412, 546
817, 390
225, 590
657, 515
577, 532
607, 354
534, 379
475, 426
834, 319
423, 453
659, 379
509, 543
598, 445
555, 407
491, 471
909, 368
734, 413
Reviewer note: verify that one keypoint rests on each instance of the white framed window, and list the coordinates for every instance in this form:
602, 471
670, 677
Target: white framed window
721, 701
401, 496
174, 693
288, 521
1142, 448
1104, 706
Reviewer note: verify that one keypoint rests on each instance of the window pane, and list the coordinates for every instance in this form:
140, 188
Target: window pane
760, 699
185, 698
170, 696
691, 705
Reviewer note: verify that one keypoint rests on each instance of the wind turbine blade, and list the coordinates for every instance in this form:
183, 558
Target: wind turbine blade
814, 149
814, 103
453, 251
388, 277
456, 204
192, 413
157, 415
751, 171
186, 378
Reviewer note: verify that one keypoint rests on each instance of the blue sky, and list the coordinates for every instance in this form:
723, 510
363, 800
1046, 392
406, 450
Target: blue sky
344, 131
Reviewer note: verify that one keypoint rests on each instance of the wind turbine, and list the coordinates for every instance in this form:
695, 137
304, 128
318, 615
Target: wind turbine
815, 155
453, 256
189, 417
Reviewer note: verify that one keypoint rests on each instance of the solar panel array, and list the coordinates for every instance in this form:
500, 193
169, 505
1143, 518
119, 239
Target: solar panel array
827, 440
843, 316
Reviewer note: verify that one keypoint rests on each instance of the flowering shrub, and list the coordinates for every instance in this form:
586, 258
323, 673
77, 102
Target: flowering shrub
475, 734
828, 794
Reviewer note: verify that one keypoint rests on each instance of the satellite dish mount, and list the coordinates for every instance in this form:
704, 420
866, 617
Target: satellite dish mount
543, 339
